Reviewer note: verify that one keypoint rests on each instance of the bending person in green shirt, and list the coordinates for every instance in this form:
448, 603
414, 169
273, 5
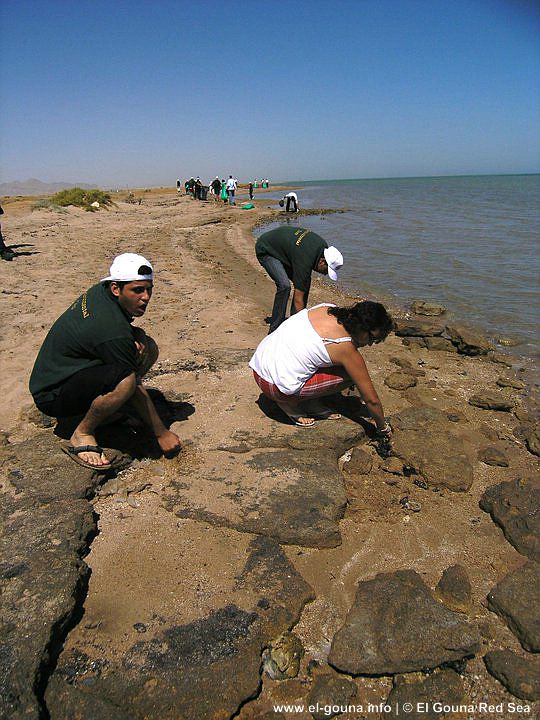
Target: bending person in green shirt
291, 254
92, 361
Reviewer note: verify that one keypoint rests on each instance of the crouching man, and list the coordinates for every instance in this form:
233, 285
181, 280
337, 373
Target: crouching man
92, 361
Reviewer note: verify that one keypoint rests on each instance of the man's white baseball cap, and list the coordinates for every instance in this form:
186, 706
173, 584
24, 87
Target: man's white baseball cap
129, 267
334, 260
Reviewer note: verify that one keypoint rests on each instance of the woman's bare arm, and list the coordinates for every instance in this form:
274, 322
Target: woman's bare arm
345, 354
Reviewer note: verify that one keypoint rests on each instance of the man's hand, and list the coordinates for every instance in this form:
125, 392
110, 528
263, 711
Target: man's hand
169, 443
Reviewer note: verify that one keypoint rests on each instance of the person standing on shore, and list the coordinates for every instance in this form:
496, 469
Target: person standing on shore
289, 253
216, 185
92, 362
231, 189
223, 194
250, 190
6, 253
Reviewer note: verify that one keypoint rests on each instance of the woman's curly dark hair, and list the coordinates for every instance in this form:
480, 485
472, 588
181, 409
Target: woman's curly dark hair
364, 316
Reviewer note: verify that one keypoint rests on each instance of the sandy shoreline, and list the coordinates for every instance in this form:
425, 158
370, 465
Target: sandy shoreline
174, 536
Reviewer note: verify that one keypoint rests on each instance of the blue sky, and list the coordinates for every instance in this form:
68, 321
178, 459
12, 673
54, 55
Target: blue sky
139, 93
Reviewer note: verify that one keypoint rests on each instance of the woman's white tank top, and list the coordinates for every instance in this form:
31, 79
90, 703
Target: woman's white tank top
294, 352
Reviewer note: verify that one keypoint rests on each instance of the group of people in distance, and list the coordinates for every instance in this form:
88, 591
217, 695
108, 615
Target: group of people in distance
91, 365
221, 189
226, 189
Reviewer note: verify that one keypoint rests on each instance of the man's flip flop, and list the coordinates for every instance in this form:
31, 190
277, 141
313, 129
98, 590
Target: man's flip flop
73, 453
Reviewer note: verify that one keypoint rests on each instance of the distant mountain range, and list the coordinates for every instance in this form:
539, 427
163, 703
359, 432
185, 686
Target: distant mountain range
32, 186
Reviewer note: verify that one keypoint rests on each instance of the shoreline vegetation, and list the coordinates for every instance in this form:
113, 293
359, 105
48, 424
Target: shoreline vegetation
266, 565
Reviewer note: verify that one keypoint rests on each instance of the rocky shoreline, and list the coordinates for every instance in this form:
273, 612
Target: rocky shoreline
267, 565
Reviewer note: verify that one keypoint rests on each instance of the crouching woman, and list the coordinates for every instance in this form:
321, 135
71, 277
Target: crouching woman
315, 353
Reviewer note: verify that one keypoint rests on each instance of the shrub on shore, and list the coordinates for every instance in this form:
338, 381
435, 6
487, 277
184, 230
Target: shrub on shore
90, 200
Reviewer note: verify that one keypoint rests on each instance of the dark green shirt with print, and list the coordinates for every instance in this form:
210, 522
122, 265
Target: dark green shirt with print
297, 248
94, 330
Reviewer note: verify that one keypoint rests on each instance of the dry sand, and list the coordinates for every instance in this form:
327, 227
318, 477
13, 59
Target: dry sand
207, 313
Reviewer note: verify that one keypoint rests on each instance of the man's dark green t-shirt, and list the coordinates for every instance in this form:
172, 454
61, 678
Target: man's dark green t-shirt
94, 330
297, 248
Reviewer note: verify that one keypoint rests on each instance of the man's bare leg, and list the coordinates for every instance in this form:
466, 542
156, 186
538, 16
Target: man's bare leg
141, 402
100, 410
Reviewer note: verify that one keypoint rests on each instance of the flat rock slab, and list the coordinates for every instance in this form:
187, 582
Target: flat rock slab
427, 441
396, 626
514, 506
511, 383
330, 690
286, 486
47, 526
520, 675
413, 327
517, 600
295, 497
444, 686
199, 670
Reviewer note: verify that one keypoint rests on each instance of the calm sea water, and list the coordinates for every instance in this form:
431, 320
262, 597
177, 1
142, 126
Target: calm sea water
468, 243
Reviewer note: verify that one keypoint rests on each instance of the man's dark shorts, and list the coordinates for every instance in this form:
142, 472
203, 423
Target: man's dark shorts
80, 390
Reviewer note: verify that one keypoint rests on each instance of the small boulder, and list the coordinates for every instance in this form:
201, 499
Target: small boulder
421, 307
396, 626
519, 675
360, 462
516, 599
400, 381
454, 589
493, 456
488, 400
468, 342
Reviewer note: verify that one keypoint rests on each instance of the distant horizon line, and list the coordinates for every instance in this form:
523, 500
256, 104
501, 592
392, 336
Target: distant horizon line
282, 182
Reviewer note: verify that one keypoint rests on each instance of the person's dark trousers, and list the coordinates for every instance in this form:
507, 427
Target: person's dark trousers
289, 201
6, 253
275, 269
